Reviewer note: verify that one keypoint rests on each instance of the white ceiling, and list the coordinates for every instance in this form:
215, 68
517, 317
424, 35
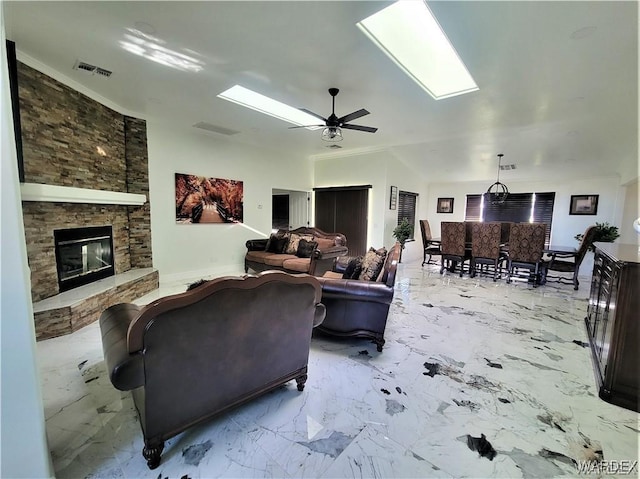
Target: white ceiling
558, 80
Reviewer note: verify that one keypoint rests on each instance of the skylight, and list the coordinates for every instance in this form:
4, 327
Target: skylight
410, 35
250, 99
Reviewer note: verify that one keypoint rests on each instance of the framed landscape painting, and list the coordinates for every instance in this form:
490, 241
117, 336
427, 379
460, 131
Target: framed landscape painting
445, 205
584, 205
208, 200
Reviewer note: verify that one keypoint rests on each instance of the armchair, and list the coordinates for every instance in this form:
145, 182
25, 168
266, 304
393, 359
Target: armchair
570, 262
357, 307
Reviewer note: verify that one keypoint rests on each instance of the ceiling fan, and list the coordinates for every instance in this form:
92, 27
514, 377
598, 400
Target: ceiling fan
333, 125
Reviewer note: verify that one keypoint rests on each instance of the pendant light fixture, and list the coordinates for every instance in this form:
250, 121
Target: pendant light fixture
497, 192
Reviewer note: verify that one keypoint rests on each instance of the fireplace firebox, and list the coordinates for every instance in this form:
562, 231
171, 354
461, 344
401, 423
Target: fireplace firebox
83, 255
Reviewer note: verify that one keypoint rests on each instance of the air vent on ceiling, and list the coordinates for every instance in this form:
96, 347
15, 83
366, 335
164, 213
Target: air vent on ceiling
215, 128
507, 167
333, 146
94, 70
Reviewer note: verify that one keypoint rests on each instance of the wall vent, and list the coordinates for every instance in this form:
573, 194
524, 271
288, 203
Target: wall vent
507, 167
215, 128
94, 70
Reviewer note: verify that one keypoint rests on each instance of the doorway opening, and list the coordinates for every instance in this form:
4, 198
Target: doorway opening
289, 209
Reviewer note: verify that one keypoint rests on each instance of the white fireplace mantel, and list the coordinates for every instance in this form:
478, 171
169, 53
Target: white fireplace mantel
69, 194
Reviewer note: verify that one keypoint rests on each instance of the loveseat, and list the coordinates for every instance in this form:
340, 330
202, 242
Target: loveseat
302, 250
357, 306
191, 356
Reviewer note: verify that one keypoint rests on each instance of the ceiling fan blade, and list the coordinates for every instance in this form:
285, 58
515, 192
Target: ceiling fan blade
353, 116
368, 129
306, 126
313, 114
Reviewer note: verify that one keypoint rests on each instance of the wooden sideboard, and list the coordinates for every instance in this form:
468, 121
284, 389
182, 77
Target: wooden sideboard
612, 322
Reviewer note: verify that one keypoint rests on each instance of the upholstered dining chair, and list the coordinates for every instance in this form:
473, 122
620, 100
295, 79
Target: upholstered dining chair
485, 247
453, 249
526, 244
570, 262
430, 247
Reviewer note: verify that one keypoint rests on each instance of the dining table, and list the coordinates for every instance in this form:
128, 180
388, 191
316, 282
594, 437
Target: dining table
560, 249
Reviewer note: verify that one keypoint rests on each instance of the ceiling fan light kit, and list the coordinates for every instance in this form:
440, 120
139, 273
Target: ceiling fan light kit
332, 134
497, 193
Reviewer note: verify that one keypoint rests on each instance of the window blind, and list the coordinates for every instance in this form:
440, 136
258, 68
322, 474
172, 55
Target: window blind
473, 209
407, 208
543, 211
518, 208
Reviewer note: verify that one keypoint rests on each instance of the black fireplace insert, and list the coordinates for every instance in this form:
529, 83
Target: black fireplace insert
83, 255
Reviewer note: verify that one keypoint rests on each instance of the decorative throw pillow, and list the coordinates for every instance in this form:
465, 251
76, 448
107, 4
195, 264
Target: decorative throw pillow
324, 243
353, 269
269, 244
294, 239
277, 243
372, 264
305, 248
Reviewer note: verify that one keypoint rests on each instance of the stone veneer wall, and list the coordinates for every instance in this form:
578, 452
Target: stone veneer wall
138, 182
69, 139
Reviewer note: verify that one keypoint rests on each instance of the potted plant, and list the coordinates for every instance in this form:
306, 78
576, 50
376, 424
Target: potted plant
604, 233
402, 233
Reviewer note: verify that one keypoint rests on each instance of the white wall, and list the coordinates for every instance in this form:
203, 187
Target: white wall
381, 170
185, 251
368, 169
630, 212
23, 442
406, 179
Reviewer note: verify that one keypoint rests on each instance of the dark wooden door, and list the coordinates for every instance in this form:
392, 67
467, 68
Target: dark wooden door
344, 210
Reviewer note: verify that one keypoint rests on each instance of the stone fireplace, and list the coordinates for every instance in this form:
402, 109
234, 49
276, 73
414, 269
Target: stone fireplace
85, 166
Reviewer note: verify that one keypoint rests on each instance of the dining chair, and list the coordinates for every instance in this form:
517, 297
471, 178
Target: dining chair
526, 244
485, 247
570, 262
430, 247
453, 246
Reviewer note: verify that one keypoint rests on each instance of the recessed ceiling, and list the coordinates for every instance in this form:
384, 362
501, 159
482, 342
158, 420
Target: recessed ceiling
544, 69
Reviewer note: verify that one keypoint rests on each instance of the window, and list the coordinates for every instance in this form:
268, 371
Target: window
407, 208
518, 208
473, 210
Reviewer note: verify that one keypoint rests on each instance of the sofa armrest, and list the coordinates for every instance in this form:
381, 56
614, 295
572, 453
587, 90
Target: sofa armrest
126, 370
341, 263
356, 290
256, 244
332, 252
320, 313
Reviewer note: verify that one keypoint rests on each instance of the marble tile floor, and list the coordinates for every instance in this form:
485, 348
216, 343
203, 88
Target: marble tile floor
464, 357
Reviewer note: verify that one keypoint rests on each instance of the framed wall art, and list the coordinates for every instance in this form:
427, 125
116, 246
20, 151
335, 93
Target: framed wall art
584, 205
393, 199
445, 205
208, 200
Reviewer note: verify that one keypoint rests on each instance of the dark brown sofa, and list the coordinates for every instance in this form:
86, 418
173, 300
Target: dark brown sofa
355, 307
262, 256
193, 355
